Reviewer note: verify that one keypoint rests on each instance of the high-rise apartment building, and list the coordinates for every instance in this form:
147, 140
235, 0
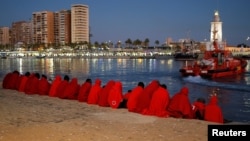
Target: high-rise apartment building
79, 23
62, 27
21, 32
4, 35
43, 27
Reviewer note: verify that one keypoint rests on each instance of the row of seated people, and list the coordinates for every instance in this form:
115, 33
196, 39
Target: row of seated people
152, 99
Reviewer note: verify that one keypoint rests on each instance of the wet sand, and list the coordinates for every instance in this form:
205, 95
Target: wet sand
43, 118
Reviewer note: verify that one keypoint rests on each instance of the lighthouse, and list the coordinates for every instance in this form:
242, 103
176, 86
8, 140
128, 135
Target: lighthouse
216, 34
216, 28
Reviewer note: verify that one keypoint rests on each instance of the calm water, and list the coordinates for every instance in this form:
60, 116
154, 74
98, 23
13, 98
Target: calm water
234, 92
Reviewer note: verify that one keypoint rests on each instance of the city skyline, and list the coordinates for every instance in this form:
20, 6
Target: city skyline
113, 20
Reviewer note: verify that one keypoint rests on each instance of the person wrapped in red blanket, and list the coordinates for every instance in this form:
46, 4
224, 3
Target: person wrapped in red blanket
213, 111
179, 105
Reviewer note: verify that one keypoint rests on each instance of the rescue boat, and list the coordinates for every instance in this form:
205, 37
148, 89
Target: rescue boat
215, 63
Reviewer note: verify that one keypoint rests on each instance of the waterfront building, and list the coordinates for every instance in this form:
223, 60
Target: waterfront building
79, 23
62, 27
4, 35
21, 32
168, 41
43, 27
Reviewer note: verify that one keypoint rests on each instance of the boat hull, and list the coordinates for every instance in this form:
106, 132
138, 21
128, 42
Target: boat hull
245, 56
189, 71
226, 71
217, 72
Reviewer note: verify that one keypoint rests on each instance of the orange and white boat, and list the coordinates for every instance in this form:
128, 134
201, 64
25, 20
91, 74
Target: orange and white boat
221, 63
215, 63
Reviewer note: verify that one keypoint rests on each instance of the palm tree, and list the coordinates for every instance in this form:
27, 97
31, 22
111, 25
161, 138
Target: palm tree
137, 42
157, 43
104, 45
146, 42
97, 45
128, 42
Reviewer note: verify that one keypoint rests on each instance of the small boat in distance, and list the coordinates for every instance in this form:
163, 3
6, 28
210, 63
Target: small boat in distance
185, 56
247, 56
40, 55
3, 56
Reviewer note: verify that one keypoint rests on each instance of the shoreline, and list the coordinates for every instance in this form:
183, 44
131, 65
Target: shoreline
36, 117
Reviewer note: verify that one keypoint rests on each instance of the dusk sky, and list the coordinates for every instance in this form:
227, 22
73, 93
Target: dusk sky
116, 20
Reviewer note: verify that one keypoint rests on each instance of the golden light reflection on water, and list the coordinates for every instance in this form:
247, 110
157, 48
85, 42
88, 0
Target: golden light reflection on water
21, 66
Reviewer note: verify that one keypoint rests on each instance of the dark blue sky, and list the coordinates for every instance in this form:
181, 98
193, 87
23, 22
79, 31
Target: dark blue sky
140, 19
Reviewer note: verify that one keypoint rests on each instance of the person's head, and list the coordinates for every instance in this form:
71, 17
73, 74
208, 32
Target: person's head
164, 86
184, 90
98, 81
15, 71
44, 76
27, 73
66, 77
37, 75
213, 100
201, 100
89, 80
141, 84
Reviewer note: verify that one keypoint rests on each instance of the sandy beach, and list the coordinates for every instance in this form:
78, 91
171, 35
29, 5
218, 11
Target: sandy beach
43, 118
